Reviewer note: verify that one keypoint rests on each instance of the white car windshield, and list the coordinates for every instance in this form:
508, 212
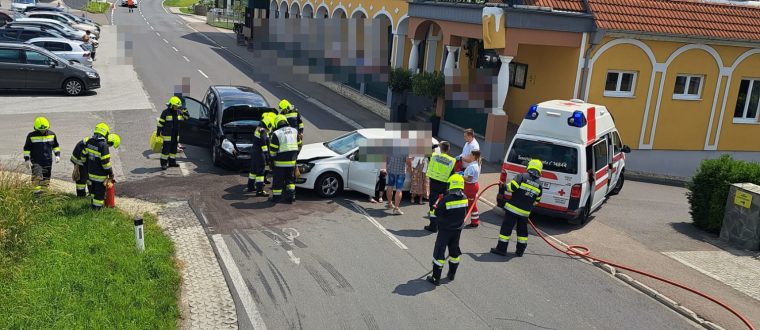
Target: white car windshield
28, 2
346, 143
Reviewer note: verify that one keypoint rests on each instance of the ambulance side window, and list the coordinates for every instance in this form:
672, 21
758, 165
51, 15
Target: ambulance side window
601, 155
617, 145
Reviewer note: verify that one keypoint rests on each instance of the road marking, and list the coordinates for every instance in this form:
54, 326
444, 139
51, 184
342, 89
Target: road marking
379, 226
324, 107
293, 258
158, 34
183, 169
166, 41
239, 285
151, 27
186, 59
199, 70
175, 49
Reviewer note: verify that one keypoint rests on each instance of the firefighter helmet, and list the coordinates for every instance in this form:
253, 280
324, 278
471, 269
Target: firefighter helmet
114, 141
102, 129
41, 124
536, 165
456, 181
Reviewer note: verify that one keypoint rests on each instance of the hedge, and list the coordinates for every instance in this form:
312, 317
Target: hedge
709, 188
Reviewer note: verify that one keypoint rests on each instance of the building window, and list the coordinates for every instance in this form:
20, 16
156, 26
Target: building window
748, 101
620, 84
517, 74
688, 87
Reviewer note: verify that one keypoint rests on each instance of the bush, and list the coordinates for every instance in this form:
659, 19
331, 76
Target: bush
400, 80
430, 84
709, 188
97, 7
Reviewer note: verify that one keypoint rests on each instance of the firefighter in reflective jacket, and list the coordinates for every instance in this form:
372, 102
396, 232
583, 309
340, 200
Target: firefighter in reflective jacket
98, 164
283, 148
168, 129
450, 214
440, 168
40, 147
526, 193
294, 118
79, 159
259, 155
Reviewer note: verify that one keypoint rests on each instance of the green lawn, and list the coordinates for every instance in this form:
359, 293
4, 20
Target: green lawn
179, 3
65, 267
97, 7
224, 25
186, 10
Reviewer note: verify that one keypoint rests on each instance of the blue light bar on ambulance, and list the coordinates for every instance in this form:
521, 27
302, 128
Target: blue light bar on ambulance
578, 119
532, 112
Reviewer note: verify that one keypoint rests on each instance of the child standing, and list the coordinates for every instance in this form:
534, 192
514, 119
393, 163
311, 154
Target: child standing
471, 187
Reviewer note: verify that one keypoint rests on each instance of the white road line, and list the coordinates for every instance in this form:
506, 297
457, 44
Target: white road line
239, 284
186, 59
166, 41
293, 258
151, 27
324, 107
158, 34
199, 70
175, 49
183, 168
379, 226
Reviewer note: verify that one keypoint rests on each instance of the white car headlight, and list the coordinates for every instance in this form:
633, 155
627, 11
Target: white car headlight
92, 75
228, 146
305, 168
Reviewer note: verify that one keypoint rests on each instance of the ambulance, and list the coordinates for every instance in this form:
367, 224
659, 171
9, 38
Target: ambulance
582, 154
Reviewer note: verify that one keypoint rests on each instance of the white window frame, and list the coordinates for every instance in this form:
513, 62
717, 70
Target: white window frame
743, 119
617, 92
685, 95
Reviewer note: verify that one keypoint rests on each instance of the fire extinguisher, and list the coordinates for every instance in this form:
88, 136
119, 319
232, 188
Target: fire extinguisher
110, 193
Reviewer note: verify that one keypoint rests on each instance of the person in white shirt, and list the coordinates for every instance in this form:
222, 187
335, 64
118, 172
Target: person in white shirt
470, 144
471, 187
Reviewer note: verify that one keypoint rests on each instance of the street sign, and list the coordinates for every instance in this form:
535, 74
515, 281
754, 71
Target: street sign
743, 199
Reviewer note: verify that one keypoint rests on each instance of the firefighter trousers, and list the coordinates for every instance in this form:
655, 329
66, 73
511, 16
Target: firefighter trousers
98, 191
41, 176
283, 184
447, 239
82, 185
510, 220
169, 152
257, 175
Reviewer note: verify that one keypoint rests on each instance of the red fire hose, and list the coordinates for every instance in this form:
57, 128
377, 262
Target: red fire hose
585, 252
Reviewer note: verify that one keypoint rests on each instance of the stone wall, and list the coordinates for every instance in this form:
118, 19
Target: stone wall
370, 104
741, 223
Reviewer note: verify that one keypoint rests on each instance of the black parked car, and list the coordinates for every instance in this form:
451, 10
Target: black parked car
28, 67
225, 122
24, 33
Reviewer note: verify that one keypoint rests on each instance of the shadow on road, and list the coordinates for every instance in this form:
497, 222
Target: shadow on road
411, 232
43, 93
414, 287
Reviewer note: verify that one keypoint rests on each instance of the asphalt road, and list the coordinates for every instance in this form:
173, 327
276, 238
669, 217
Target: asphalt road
324, 264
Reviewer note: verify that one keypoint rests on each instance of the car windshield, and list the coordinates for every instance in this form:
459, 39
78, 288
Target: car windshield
556, 158
27, 2
346, 143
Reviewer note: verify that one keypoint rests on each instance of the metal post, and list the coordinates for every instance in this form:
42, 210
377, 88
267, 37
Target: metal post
139, 238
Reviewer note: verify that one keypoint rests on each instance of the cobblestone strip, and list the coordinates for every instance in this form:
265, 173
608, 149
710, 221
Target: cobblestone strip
205, 296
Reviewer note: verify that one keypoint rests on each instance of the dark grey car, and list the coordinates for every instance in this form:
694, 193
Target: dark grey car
28, 67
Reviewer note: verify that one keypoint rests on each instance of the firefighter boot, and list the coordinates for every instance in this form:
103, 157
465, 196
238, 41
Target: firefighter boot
432, 227
164, 164
436, 277
520, 249
173, 162
501, 248
452, 270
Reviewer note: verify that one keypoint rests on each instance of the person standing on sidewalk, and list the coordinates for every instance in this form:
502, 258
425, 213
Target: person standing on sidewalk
98, 164
471, 188
450, 214
168, 129
526, 193
40, 147
91, 42
470, 144
418, 188
396, 168
439, 170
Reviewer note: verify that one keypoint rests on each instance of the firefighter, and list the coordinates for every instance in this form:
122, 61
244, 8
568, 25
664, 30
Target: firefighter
98, 164
168, 129
526, 193
260, 155
450, 214
439, 170
283, 148
291, 113
39, 149
79, 159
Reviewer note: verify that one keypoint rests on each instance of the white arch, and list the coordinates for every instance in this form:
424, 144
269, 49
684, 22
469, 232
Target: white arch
359, 10
324, 7
744, 56
283, 8
401, 20
704, 47
295, 8
730, 70
273, 5
339, 7
310, 6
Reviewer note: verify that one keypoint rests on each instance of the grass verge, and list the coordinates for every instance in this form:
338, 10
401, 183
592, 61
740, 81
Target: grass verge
97, 7
66, 267
224, 25
179, 3
186, 10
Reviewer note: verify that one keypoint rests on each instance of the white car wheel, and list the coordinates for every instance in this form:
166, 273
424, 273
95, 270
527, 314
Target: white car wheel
328, 185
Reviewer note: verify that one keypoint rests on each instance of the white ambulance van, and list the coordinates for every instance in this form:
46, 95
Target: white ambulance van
582, 153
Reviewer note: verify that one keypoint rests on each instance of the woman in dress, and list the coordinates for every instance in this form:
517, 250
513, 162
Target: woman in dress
419, 180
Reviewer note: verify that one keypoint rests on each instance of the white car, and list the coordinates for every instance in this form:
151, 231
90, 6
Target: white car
72, 50
60, 17
331, 167
20, 5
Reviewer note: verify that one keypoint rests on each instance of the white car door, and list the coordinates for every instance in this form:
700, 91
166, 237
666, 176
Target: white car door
362, 176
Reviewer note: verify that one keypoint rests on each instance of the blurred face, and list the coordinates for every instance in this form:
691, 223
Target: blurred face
467, 138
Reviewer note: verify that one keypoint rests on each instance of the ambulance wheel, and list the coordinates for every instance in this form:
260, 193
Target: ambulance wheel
583, 216
619, 185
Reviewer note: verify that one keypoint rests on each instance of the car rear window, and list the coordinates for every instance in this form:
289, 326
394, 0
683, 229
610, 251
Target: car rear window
556, 158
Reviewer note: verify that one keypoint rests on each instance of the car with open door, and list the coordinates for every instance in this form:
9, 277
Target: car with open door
224, 122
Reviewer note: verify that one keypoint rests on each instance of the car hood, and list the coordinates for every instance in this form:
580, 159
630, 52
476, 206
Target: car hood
315, 151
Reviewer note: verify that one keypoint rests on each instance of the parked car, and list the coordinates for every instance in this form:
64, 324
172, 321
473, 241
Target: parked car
23, 33
61, 28
331, 167
81, 19
224, 122
72, 50
60, 17
41, 7
7, 16
20, 5
28, 67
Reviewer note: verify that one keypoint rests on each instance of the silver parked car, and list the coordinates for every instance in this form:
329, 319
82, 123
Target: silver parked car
64, 29
20, 5
65, 20
72, 50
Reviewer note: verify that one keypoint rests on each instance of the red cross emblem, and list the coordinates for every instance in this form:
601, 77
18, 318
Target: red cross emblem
562, 192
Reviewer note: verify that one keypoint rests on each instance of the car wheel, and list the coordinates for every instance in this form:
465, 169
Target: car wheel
328, 185
582, 218
619, 184
73, 87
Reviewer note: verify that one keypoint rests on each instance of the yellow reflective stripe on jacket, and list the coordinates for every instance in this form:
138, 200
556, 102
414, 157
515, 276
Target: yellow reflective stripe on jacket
440, 167
512, 186
285, 163
97, 178
456, 204
92, 151
106, 156
529, 187
264, 149
107, 166
516, 210
27, 152
56, 148
46, 138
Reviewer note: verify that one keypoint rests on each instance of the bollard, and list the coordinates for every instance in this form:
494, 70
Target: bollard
139, 234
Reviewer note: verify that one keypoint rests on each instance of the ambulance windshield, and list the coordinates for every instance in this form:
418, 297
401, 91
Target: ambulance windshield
556, 158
